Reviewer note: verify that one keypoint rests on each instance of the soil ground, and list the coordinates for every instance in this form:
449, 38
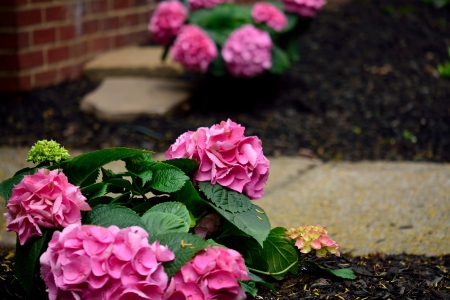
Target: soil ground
366, 88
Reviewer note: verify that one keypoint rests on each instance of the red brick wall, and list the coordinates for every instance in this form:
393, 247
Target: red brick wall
43, 42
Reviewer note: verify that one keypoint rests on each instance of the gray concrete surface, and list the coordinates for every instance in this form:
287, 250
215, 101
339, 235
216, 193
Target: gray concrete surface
367, 207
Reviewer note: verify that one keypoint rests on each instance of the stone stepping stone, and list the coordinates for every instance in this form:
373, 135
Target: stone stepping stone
132, 61
127, 98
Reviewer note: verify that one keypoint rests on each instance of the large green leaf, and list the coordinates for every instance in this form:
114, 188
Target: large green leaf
249, 287
183, 245
27, 259
80, 168
107, 215
94, 190
279, 253
172, 207
7, 185
253, 222
188, 166
167, 178
250, 250
280, 61
190, 197
224, 198
139, 163
224, 17
157, 223
340, 273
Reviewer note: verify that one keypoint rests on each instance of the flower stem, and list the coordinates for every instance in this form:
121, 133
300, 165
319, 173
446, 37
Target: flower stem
277, 273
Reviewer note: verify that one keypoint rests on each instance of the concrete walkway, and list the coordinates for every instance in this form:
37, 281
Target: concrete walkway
367, 207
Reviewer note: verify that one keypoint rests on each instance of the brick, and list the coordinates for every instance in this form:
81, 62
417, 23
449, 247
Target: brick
131, 19
44, 36
39, 1
29, 17
57, 54
121, 4
91, 27
79, 49
118, 41
13, 2
56, 13
100, 44
22, 61
71, 72
45, 78
14, 40
98, 6
15, 83
140, 3
111, 23
66, 32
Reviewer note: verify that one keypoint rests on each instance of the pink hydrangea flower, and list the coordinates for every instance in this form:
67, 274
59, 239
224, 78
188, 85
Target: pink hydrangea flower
207, 225
226, 157
263, 12
167, 20
211, 274
304, 8
247, 52
193, 48
313, 237
93, 262
44, 199
197, 4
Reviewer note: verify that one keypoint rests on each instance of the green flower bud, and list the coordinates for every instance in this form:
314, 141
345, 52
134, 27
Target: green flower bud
50, 151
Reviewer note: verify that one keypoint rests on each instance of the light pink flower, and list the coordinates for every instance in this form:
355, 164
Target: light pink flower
304, 8
167, 20
226, 157
207, 225
197, 4
247, 52
313, 237
93, 262
44, 199
193, 48
211, 274
263, 12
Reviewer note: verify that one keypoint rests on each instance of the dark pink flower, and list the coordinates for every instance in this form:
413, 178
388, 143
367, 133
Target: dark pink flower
304, 8
193, 48
93, 262
211, 274
167, 20
263, 12
226, 157
197, 4
44, 199
247, 52
207, 225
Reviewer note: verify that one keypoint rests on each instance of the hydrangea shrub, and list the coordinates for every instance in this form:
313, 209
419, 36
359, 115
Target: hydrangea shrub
183, 228
250, 40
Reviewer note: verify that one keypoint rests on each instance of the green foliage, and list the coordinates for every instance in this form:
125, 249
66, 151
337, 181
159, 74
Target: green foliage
157, 223
7, 185
444, 69
280, 61
438, 3
224, 198
167, 178
338, 273
107, 215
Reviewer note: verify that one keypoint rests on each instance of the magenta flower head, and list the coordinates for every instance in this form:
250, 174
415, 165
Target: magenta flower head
263, 12
197, 4
44, 199
193, 48
313, 238
247, 52
207, 225
226, 157
93, 262
211, 274
167, 20
304, 8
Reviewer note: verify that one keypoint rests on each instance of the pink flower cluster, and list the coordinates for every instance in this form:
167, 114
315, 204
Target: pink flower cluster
211, 274
313, 237
193, 48
263, 12
304, 8
247, 52
197, 4
226, 157
44, 199
93, 262
207, 225
167, 20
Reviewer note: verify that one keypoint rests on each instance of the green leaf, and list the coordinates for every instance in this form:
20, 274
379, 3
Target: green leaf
146, 176
339, 273
139, 163
258, 279
175, 208
280, 61
293, 49
142, 208
7, 185
91, 179
190, 197
249, 249
157, 223
280, 254
99, 200
221, 17
107, 215
249, 287
224, 198
188, 166
251, 222
217, 66
80, 168
119, 182
183, 245
94, 190
27, 259
167, 178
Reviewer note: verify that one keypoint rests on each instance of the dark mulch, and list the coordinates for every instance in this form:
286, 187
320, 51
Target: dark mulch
365, 89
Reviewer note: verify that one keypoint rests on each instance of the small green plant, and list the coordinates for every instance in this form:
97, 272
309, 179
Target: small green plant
438, 3
444, 69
